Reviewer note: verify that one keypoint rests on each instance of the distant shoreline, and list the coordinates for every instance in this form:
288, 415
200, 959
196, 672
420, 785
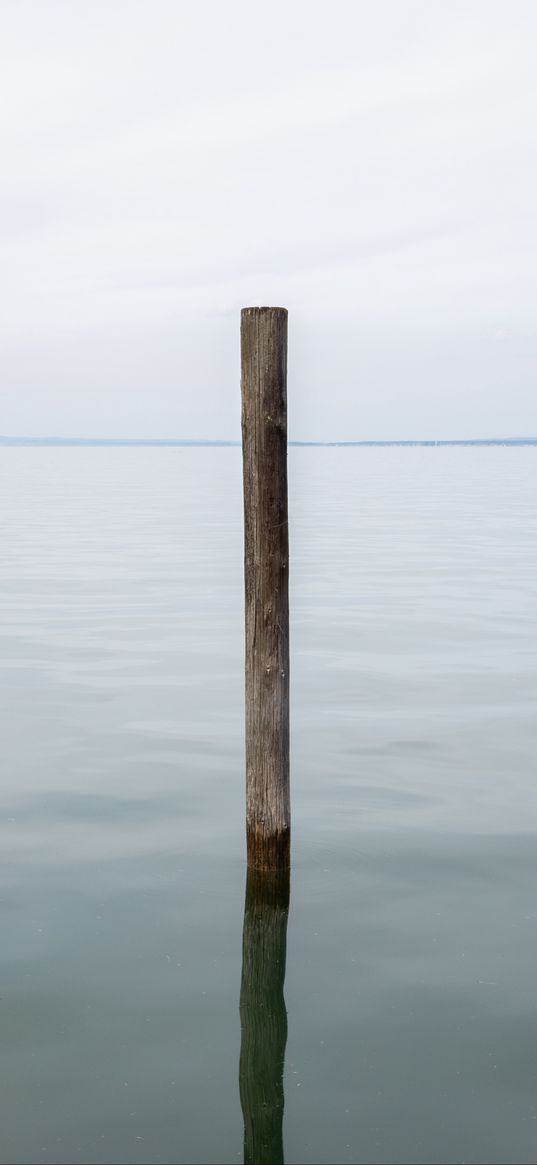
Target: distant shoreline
167, 442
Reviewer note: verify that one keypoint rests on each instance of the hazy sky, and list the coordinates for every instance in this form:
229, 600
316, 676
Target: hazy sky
370, 165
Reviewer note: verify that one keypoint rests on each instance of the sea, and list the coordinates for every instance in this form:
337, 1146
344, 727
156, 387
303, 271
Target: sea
406, 1014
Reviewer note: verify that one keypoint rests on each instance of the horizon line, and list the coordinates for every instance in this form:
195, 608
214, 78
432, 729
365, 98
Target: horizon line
224, 442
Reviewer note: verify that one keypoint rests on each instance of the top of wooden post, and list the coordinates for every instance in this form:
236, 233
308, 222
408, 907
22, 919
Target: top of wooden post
261, 309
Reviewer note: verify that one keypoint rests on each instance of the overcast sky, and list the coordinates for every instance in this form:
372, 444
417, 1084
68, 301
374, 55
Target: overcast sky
370, 165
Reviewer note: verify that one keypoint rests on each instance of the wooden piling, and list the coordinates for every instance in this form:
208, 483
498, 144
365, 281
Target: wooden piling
266, 567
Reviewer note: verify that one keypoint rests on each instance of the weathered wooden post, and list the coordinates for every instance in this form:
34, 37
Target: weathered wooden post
266, 566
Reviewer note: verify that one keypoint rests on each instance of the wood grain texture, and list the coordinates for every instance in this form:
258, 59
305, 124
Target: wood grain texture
263, 1016
266, 567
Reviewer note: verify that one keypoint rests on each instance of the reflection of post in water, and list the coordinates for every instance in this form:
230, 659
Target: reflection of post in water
263, 1015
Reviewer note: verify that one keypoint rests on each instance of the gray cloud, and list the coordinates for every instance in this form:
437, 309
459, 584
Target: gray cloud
372, 167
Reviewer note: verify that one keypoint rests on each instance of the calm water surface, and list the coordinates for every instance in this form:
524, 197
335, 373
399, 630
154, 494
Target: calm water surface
411, 985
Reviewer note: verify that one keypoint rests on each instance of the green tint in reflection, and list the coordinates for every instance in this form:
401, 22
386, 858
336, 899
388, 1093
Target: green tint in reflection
263, 1016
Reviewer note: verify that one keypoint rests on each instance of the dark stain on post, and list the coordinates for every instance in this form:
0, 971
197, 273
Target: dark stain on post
266, 568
